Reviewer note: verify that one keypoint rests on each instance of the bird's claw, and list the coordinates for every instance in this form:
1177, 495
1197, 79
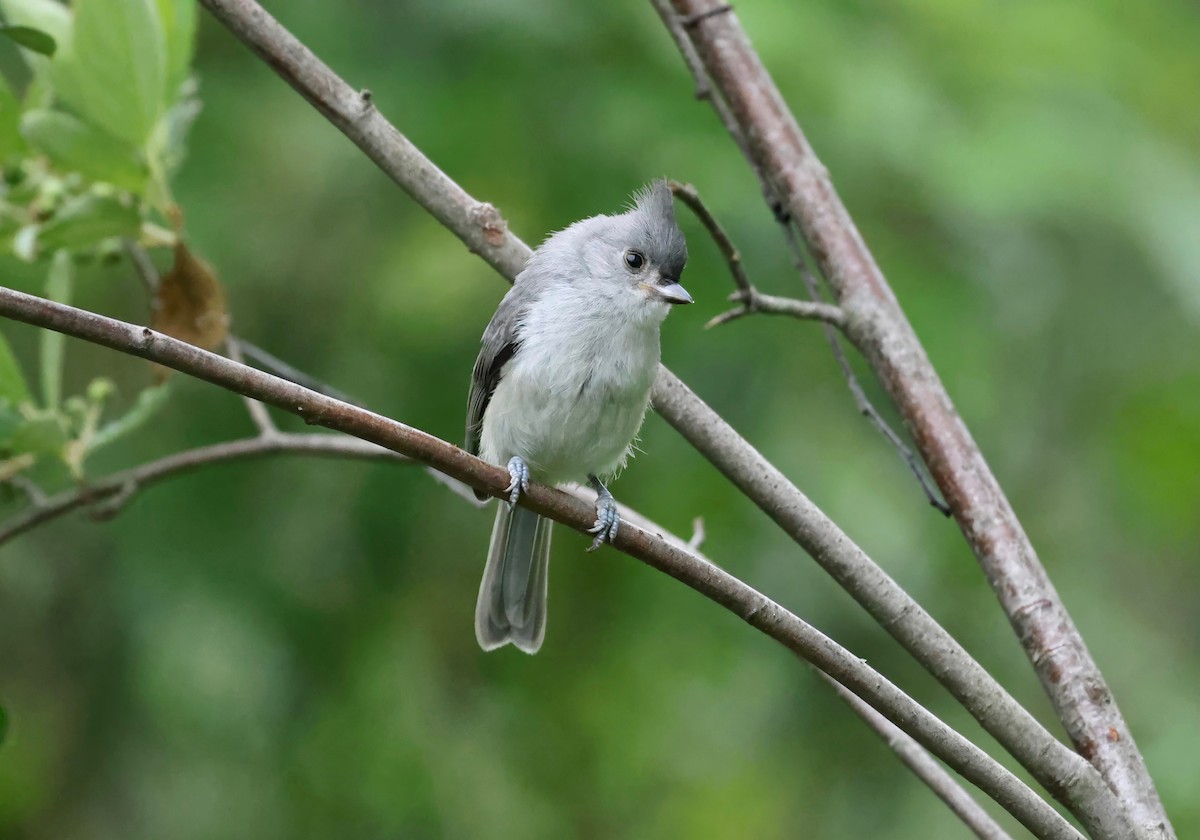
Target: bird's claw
518, 471
608, 521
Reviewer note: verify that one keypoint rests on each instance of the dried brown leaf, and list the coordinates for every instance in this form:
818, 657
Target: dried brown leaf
190, 304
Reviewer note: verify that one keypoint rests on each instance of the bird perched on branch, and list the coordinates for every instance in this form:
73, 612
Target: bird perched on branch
561, 386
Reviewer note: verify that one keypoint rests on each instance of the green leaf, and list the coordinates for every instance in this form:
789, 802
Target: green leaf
3, 724
148, 403
177, 124
12, 381
76, 146
113, 70
179, 29
29, 38
46, 16
10, 420
59, 281
85, 220
11, 144
44, 434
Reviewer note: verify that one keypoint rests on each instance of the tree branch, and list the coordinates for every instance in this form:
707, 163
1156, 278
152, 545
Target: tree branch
116, 490
865, 407
751, 299
925, 767
1068, 777
257, 411
779, 150
719, 586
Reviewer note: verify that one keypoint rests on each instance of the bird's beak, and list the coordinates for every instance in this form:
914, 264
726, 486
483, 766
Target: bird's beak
672, 293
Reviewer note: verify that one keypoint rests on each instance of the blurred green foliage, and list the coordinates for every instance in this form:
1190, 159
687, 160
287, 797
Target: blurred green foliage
284, 648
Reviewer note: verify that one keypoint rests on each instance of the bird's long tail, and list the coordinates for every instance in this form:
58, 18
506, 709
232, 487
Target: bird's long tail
512, 596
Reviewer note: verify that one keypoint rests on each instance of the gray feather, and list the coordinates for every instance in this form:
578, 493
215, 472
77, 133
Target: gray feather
500, 345
512, 595
568, 357
656, 229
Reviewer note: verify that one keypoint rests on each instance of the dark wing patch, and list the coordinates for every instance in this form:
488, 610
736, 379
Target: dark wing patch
484, 380
500, 344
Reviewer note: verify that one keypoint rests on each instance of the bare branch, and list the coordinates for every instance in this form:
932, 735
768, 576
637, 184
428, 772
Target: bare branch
258, 412
1064, 773
689, 196
925, 768
707, 579
277, 366
113, 492
865, 407
779, 150
33, 492
912, 754
146, 271
753, 301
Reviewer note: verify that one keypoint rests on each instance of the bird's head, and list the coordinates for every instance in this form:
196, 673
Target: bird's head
641, 251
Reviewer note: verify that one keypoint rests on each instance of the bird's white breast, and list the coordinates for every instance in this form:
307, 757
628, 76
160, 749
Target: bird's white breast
573, 397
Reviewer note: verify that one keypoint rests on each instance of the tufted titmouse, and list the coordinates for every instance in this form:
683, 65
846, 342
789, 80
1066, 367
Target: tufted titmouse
561, 386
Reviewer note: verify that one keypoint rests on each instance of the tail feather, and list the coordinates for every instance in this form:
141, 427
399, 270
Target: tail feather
512, 595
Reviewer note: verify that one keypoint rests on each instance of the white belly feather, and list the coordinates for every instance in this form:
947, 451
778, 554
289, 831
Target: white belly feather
571, 401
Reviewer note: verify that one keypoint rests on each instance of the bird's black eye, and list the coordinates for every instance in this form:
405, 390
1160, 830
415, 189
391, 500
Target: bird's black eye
634, 260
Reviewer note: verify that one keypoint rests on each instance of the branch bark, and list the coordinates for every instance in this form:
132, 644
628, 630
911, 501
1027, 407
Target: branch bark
1068, 777
714, 583
779, 151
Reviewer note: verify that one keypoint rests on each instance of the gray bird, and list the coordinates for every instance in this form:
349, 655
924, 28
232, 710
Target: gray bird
561, 386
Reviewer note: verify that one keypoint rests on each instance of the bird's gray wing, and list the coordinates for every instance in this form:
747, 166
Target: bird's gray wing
500, 344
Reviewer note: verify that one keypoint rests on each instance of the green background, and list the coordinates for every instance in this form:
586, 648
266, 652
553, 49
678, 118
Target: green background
284, 648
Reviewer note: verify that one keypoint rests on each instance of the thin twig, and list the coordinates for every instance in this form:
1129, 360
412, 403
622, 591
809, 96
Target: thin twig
707, 579
482, 230
122, 486
925, 767
733, 257
782, 156
865, 406
747, 294
832, 317
258, 412
107, 509
754, 302
146, 271
699, 535
33, 492
277, 366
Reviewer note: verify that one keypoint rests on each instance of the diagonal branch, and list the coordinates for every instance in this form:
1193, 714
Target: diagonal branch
709, 580
779, 151
1067, 776
753, 301
925, 767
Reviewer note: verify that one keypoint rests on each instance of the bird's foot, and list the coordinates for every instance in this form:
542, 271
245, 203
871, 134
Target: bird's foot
608, 518
518, 471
